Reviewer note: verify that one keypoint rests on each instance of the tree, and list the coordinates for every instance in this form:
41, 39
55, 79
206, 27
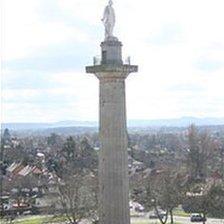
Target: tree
54, 140
76, 197
76, 179
6, 138
207, 199
163, 191
5, 142
169, 192
220, 156
197, 200
215, 199
205, 195
199, 152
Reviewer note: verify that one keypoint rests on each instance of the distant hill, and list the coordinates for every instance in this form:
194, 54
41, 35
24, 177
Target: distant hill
179, 122
41, 126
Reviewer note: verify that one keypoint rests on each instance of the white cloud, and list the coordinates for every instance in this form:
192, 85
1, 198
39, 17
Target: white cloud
77, 98
175, 43
24, 32
88, 11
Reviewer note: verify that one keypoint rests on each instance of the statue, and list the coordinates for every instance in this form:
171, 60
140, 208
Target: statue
109, 20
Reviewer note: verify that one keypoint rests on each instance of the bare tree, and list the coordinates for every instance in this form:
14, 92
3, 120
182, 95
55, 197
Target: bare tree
76, 197
199, 152
77, 180
163, 190
206, 199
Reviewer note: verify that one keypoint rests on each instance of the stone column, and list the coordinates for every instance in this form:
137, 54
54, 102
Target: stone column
113, 165
113, 158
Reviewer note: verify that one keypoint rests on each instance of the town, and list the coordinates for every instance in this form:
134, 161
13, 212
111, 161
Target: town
171, 173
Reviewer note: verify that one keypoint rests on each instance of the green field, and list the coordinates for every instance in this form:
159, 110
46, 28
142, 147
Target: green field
180, 212
147, 221
36, 220
48, 219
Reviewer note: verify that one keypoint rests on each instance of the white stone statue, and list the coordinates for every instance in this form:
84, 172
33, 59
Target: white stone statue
109, 20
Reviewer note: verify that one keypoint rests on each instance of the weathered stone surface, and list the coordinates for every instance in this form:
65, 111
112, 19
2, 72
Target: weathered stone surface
113, 159
109, 69
113, 172
111, 52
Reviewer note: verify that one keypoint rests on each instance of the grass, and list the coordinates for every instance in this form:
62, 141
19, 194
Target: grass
29, 220
140, 222
147, 222
180, 212
50, 219
36, 220
154, 222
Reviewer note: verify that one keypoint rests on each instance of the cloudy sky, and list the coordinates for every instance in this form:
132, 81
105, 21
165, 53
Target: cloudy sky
46, 44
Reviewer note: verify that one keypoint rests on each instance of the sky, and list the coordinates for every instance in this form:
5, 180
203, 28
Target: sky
46, 44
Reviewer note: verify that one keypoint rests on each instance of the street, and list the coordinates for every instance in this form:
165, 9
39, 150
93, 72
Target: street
182, 220
186, 220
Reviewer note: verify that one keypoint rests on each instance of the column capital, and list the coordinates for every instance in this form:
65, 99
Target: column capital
110, 72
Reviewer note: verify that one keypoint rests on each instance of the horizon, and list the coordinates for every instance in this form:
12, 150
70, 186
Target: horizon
47, 44
128, 120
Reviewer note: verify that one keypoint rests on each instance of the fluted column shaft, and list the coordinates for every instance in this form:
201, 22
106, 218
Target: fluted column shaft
113, 160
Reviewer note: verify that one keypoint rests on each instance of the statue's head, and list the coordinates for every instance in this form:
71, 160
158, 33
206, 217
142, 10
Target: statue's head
110, 3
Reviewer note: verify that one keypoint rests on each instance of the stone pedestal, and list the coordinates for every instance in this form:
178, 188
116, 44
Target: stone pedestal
113, 159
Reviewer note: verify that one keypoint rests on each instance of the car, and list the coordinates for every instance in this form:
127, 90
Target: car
153, 215
196, 217
139, 208
27, 212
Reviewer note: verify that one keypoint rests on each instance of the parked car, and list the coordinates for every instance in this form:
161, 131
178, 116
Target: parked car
139, 208
27, 212
196, 217
153, 215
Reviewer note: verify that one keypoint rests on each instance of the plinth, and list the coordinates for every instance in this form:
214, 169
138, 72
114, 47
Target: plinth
113, 158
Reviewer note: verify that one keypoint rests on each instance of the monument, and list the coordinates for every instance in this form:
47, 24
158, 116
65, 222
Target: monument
113, 158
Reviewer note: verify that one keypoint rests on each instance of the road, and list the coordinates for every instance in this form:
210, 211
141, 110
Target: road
186, 220
178, 219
